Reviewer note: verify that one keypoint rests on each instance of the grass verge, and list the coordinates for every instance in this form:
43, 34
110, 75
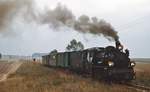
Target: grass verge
32, 77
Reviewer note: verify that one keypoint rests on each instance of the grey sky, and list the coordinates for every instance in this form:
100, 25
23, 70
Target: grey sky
129, 17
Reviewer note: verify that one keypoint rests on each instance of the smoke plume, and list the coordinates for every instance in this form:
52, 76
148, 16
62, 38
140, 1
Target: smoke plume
58, 17
10, 8
61, 16
5, 11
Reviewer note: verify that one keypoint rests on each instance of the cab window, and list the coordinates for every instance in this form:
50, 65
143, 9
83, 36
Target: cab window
99, 57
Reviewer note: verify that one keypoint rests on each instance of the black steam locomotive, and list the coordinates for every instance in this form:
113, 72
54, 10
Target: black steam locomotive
99, 62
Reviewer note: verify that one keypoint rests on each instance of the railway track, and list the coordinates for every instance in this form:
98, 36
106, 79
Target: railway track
138, 87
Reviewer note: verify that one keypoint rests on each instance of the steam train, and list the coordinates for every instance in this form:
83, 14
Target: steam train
99, 62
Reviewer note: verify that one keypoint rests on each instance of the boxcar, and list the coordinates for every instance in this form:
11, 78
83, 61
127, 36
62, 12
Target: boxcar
76, 61
62, 60
45, 60
49, 60
52, 59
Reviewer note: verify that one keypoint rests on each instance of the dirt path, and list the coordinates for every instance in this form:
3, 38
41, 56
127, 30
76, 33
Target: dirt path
7, 68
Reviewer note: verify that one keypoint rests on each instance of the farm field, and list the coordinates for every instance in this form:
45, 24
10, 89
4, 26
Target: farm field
141, 60
7, 68
33, 77
143, 73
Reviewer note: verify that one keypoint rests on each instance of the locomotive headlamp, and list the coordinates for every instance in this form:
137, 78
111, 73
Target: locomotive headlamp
110, 63
132, 64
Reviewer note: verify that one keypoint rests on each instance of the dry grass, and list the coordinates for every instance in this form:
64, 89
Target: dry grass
143, 73
31, 77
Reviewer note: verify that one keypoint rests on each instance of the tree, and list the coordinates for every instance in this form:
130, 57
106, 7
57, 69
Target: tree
74, 46
54, 51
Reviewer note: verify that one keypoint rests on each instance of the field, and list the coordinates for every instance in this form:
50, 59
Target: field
143, 73
34, 77
7, 68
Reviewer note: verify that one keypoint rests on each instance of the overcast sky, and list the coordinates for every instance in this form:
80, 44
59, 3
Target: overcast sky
131, 18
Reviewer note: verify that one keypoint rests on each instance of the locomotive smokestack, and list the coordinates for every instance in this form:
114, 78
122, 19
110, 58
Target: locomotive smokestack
119, 46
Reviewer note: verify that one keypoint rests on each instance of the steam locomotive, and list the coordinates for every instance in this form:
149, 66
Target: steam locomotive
99, 62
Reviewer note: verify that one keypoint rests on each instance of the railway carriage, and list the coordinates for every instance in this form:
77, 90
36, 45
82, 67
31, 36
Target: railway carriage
62, 60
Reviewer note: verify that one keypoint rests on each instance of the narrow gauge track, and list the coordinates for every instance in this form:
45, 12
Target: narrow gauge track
137, 87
